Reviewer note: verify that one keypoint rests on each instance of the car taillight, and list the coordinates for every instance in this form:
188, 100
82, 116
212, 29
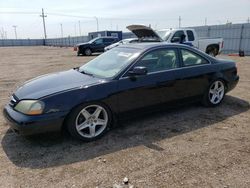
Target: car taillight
236, 69
222, 44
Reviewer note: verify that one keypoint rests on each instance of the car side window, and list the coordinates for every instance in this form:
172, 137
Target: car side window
99, 41
190, 35
108, 40
159, 60
189, 58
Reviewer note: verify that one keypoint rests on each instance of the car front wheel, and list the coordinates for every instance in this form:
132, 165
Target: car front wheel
89, 122
215, 93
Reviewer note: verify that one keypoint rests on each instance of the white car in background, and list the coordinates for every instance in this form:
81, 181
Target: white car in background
211, 46
121, 42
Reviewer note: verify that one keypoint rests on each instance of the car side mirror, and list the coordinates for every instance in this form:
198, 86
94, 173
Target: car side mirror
138, 71
176, 40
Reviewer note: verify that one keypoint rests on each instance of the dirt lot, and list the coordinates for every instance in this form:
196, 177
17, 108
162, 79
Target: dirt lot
191, 146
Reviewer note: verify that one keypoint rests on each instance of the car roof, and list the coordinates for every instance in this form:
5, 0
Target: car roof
107, 37
144, 46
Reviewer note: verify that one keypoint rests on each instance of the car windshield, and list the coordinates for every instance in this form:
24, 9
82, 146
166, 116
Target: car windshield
93, 39
164, 34
110, 63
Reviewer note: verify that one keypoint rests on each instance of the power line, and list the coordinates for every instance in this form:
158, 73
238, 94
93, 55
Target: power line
44, 27
19, 12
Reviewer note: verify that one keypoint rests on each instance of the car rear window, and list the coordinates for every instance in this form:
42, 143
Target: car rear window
191, 59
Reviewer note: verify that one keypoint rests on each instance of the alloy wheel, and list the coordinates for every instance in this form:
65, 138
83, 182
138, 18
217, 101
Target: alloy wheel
91, 121
216, 92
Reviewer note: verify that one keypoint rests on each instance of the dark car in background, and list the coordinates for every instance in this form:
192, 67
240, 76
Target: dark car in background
95, 45
87, 100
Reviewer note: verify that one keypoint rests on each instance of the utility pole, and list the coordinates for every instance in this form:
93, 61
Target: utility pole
2, 33
61, 30
97, 23
111, 24
205, 21
79, 24
179, 21
75, 30
44, 27
15, 26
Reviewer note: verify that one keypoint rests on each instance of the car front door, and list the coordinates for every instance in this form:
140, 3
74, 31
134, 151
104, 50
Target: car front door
154, 88
98, 45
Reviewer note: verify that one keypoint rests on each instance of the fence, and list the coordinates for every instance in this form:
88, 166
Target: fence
236, 36
21, 42
68, 41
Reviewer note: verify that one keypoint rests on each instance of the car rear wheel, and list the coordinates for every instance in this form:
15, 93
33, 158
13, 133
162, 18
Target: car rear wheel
212, 51
215, 93
89, 122
87, 52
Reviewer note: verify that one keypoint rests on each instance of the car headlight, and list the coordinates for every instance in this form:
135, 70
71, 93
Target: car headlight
30, 107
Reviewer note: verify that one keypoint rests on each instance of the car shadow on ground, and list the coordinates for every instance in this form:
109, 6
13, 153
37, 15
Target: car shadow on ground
42, 151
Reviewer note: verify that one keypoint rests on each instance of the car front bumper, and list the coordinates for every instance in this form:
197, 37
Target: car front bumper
232, 84
29, 125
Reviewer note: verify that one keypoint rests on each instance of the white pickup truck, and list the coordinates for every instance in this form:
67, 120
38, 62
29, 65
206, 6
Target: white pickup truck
212, 46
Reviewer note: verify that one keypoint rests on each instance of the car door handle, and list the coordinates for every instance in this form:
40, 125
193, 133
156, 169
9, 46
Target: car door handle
166, 84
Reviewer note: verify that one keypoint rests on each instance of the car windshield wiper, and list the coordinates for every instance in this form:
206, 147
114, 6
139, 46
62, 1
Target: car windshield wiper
76, 68
87, 73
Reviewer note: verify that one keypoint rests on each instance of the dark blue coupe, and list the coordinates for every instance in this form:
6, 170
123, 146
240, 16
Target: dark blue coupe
87, 100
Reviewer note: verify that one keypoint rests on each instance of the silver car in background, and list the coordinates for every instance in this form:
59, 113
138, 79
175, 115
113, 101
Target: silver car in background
121, 42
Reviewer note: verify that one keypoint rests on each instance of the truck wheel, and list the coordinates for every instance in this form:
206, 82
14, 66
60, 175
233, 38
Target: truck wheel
87, 52
212, 51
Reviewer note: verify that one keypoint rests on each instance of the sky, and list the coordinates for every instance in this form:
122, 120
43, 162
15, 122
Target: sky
78, 17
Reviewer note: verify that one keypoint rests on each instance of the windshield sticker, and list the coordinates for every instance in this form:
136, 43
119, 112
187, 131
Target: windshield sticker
124, 54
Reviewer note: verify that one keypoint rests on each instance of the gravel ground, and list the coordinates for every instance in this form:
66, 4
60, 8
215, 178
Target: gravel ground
190, 146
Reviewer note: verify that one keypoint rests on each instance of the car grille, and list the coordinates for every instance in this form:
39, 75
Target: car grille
13, 101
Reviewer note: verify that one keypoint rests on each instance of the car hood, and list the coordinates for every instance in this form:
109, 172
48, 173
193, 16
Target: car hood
142, 31
54, 83
84, 43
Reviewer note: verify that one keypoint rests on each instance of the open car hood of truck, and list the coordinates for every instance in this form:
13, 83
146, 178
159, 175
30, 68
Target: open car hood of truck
144, 32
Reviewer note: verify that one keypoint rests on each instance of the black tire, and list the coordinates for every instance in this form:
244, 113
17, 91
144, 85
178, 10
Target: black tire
88, 52
71, 122
212, 51
207, 99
